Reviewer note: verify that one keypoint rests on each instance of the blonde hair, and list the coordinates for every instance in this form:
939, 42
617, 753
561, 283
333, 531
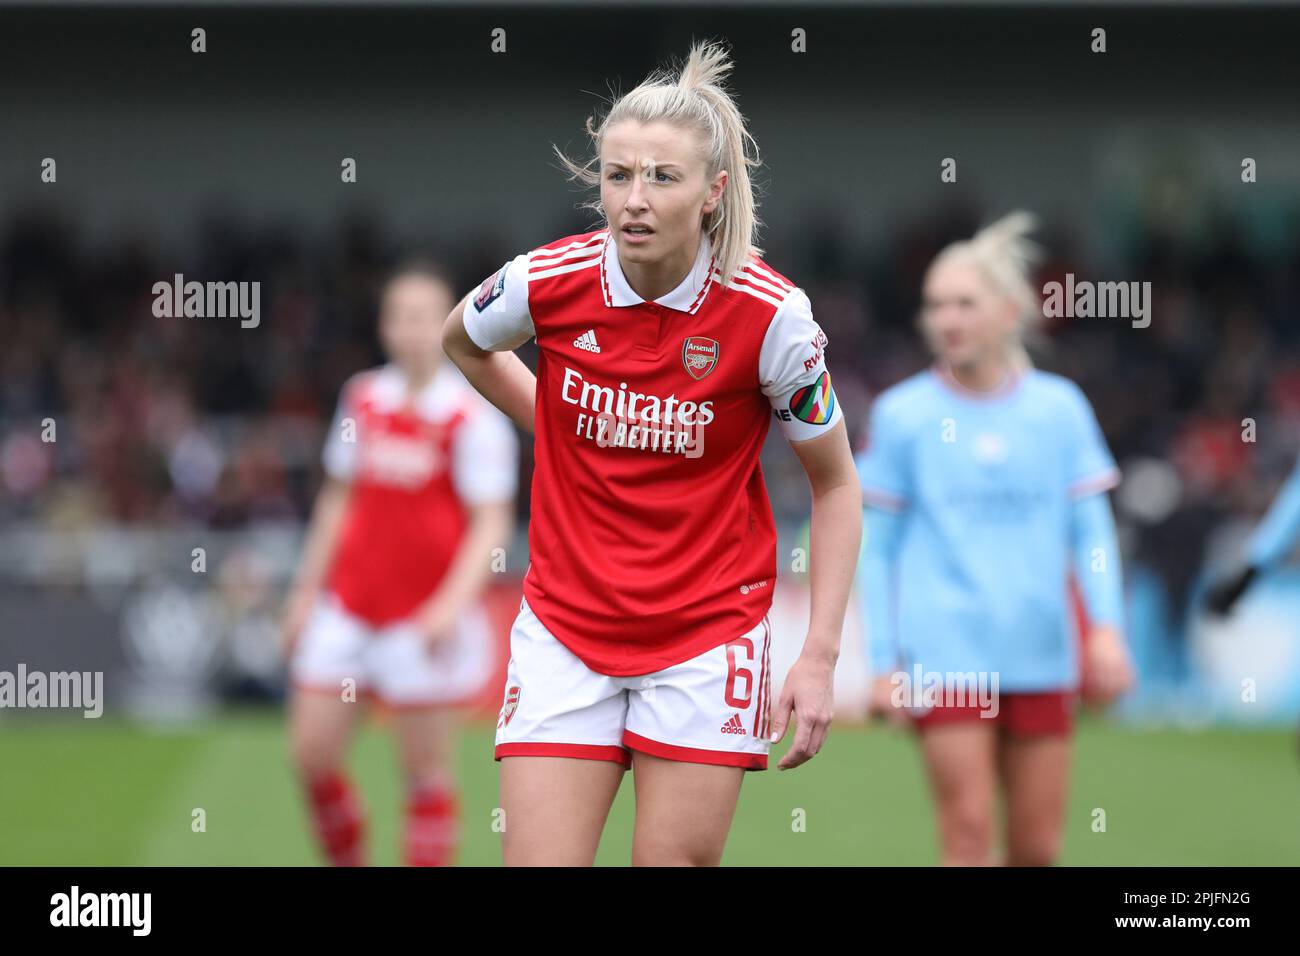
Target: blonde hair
695, 99
1005, 255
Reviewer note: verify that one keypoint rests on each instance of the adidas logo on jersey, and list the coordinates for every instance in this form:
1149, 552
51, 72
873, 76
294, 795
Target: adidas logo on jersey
587, 340
734, 726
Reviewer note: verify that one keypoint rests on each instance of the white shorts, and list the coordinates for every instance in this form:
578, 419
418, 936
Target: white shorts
711, 709
392, 662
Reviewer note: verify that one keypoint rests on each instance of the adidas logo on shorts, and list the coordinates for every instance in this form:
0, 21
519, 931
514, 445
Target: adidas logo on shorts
587, 340
734, 726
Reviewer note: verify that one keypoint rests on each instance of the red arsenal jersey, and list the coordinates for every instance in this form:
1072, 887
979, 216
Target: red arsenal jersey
414, 463
652, 537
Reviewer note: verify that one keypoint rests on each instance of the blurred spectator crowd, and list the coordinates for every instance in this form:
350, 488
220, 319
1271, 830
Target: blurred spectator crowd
165, 422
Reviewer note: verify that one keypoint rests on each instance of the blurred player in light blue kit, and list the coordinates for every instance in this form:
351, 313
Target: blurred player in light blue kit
985, 486
1272, 541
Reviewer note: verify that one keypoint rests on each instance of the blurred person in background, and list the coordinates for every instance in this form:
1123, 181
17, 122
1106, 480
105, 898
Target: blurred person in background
419, 490
1271, 542
984, 481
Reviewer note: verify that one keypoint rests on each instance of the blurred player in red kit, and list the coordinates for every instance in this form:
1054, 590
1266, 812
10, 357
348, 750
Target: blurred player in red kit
419, 489
666, 349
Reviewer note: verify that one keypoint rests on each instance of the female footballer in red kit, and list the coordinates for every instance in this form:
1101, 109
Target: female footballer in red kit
420, 481
666, 347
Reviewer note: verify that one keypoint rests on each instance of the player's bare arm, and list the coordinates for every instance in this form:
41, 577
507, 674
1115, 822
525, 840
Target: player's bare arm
834, 540
322, 534
500, 377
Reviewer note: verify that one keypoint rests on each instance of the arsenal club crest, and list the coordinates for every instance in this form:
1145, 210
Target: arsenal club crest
699, 355
512, 703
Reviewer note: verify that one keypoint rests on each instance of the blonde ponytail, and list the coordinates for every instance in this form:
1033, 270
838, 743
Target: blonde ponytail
695, 99
1006, 256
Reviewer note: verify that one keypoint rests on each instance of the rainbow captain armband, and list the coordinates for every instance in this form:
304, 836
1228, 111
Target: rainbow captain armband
810, 410
815, 403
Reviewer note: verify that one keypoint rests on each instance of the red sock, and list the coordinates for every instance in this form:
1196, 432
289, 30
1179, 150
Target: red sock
431, 824
339, 820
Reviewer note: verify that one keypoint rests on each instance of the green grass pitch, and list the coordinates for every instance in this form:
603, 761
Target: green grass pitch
90, 793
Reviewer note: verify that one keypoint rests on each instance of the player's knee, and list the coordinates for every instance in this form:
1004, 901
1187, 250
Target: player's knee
647, 852
1041, 849
968, 835
675, 857
516, 852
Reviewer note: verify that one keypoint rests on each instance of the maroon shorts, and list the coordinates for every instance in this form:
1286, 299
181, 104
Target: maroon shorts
1036, 714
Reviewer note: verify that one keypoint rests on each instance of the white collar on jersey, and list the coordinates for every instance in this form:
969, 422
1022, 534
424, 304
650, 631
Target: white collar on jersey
687, 297
435, 400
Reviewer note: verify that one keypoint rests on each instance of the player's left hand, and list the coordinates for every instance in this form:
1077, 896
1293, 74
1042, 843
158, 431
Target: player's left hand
437, 623
1107, 669
1223, 595
807, 694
